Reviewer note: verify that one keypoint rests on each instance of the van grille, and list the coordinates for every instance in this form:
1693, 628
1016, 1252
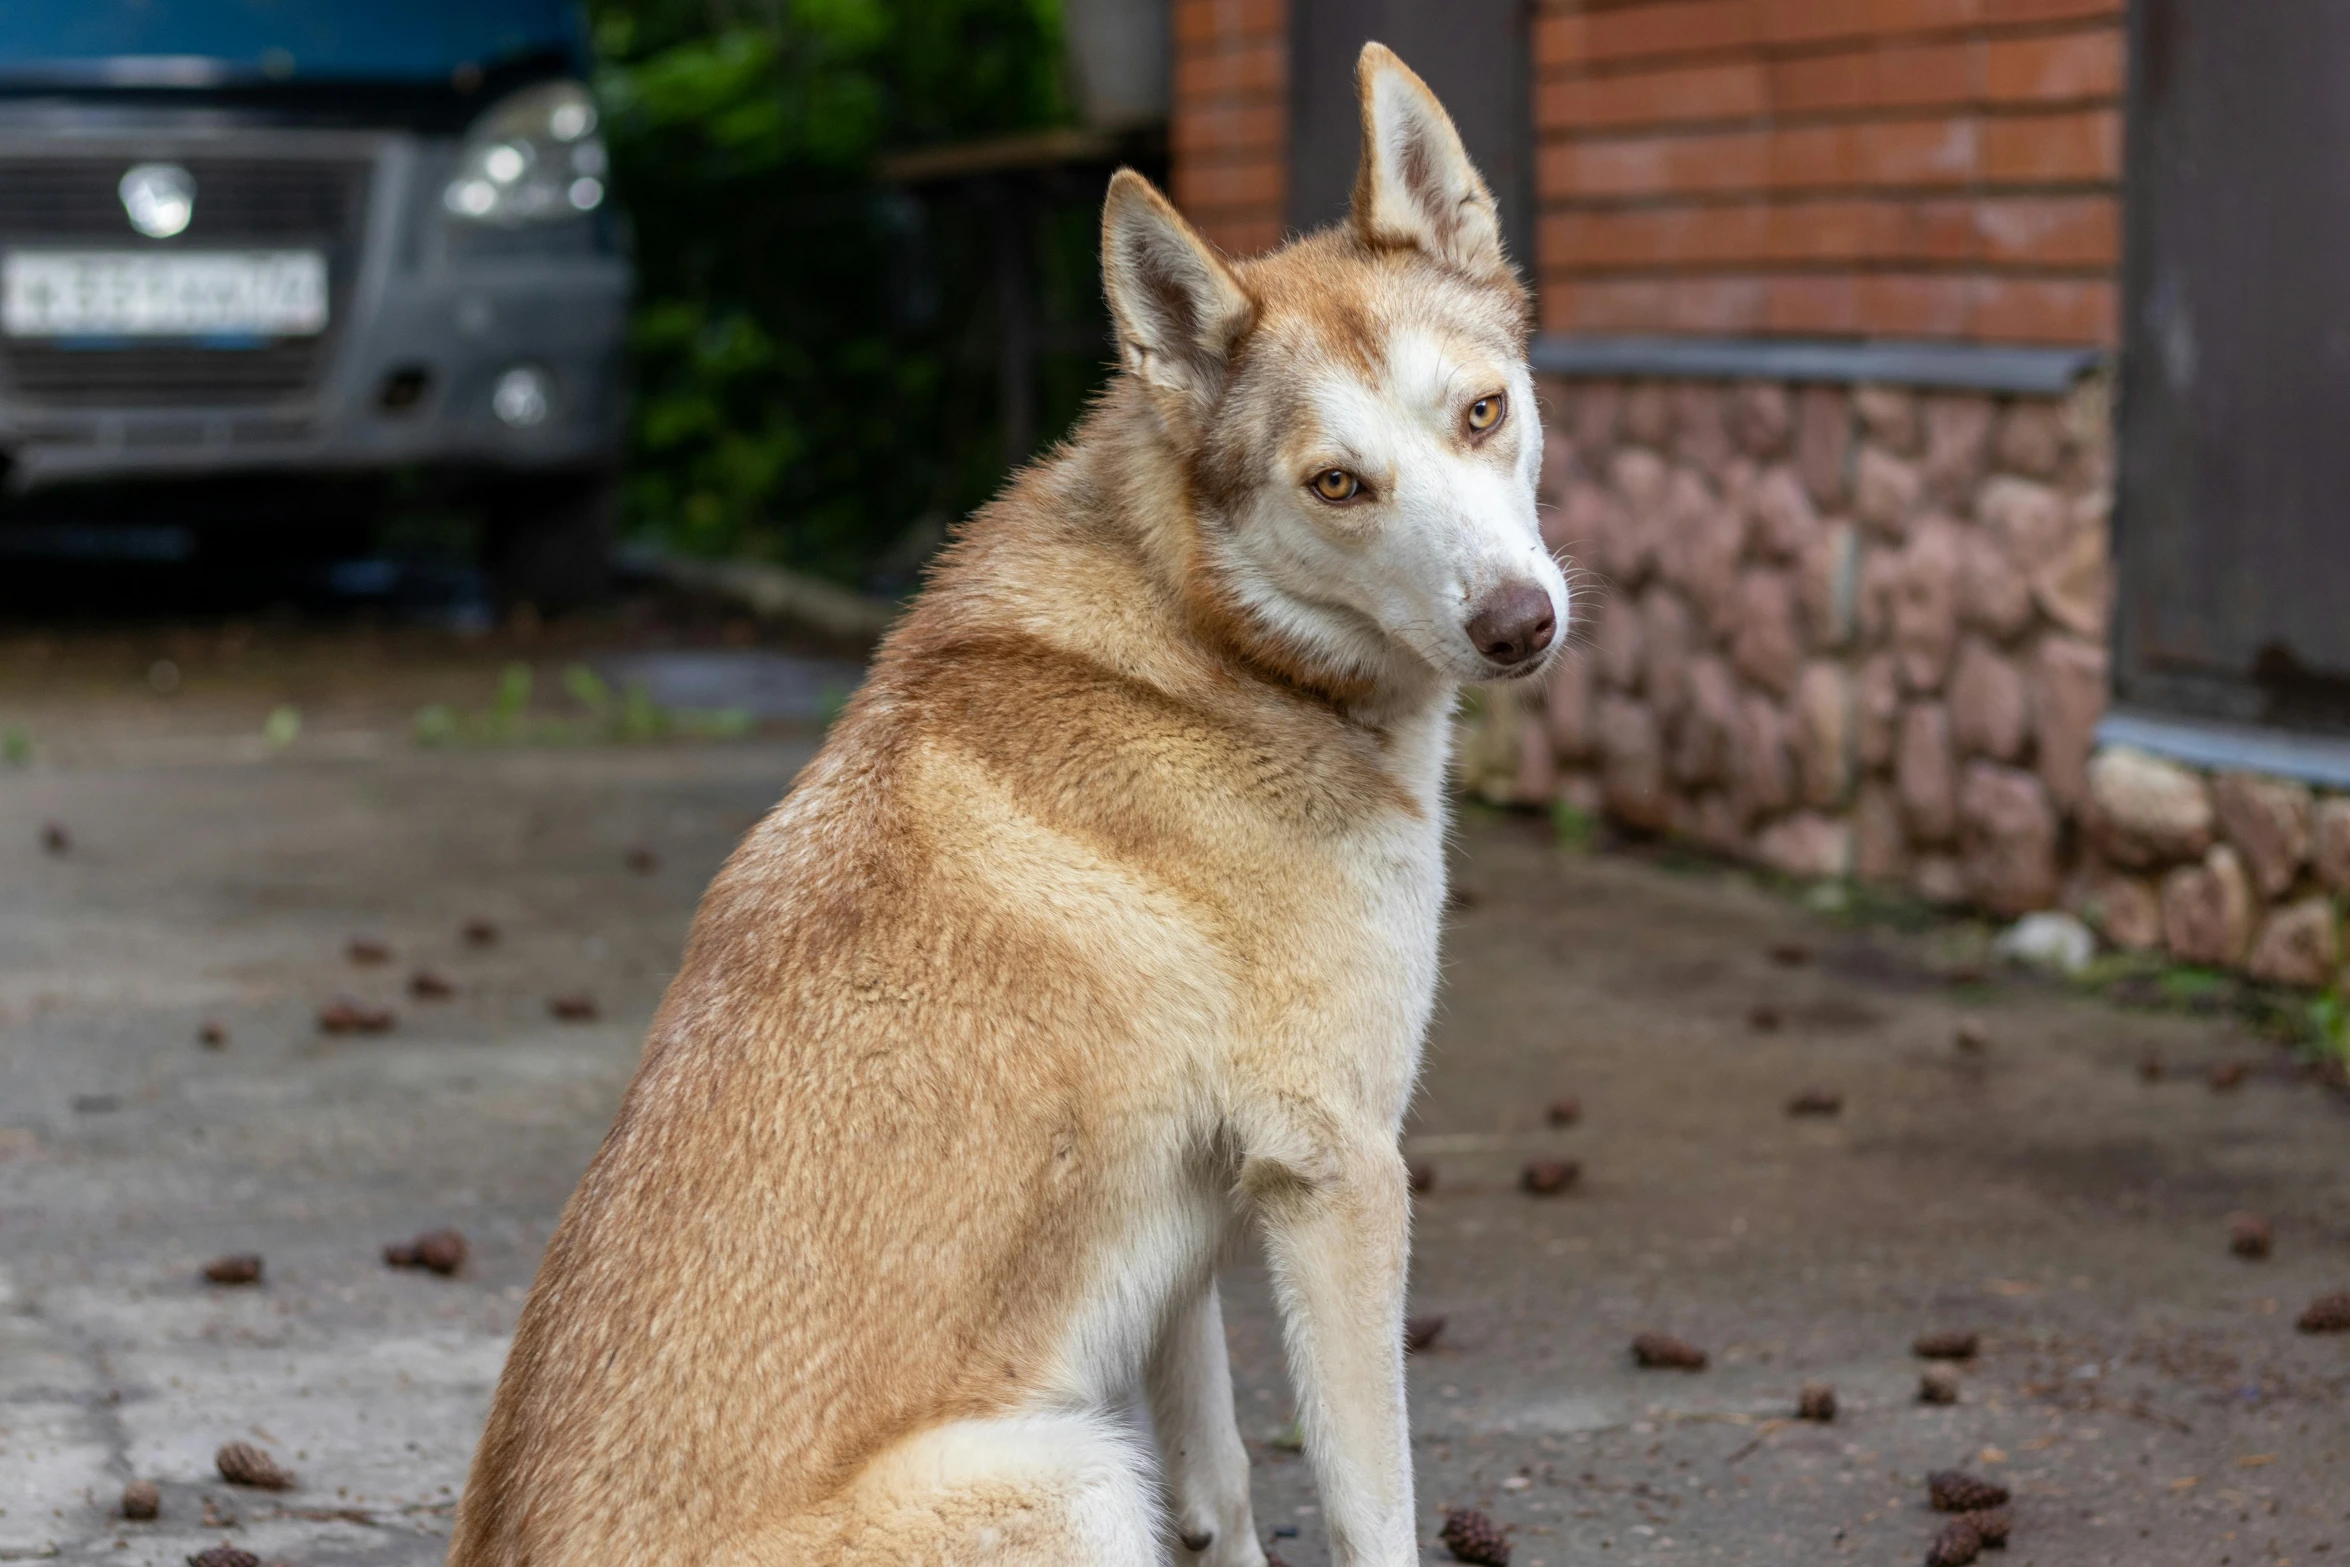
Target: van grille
49, 201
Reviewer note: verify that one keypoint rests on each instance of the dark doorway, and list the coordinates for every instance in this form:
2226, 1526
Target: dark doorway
2233, 525
1473, 53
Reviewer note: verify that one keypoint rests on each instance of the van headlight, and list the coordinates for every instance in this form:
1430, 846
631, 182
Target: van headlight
532, 158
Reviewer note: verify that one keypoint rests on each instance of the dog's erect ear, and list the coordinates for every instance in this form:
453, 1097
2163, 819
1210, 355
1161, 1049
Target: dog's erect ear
1416, 186
1180, 311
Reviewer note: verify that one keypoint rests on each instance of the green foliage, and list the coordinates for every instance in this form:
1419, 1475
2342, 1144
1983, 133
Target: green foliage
627, 716
811, 380
16, 746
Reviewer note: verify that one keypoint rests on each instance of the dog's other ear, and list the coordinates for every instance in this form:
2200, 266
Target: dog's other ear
1180, 311
1416, 186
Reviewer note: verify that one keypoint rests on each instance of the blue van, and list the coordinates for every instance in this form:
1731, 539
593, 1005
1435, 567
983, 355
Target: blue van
316, 237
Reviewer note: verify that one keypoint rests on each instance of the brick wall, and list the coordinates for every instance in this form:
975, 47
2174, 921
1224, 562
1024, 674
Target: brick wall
1890, 168
1230, 136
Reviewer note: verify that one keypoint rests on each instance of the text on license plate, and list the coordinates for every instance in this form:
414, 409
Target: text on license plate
114, 293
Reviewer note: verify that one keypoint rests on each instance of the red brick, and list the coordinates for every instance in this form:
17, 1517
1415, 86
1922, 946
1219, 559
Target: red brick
2045, 310
1716, 305
2065, 68
1899, 152
2082, 145
1677, 27
1892, 304
1733, 91
2048, 10
1258, 68
1817, 21
2052, 231
1240, 232
1212, 128
1560, 39
1257, 182
1200, 21
1880, 77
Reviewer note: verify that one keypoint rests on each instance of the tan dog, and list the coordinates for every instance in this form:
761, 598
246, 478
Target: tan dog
1103, 928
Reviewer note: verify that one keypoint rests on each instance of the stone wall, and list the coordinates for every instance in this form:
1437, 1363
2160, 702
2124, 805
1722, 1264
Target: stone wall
1837, 631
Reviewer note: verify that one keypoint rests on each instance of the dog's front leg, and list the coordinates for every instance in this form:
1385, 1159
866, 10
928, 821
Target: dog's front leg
1204, 1465
1336, 1239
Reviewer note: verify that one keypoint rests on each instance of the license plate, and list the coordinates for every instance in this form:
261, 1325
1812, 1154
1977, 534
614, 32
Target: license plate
121, 293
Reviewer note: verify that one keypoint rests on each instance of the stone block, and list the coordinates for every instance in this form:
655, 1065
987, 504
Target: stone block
1958, 445
2144, 811
2127, 911
1990, 706
1876, 712
2007, 839
1581, 788
1714, 824
1828, 583
1768, 642
2068, 698
2268, 820
1588, 522
1632, 762
2207, 909
2032, 438
1648, 413
1619, 640
1925, 605
1993, 596
1597, 420
1567, 706
1712, 551
2074, 586
1939, 879
1823, 444
1806, 845
1880, 843
1703, 737
1886, 491
2028, 520
1669, 638
2299, 944
1926, 773
1785, 522
1880, 581
1762, 772
1762, 419
1890, 415
1823, 734
2329, 844
1701, 427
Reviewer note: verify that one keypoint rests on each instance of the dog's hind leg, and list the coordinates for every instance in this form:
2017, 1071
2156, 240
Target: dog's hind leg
1029, 1490
1205, 1467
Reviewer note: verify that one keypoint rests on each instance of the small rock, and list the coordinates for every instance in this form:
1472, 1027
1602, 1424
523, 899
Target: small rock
56, 839
1993, 1523
241, 1463
212, 1036
1951, 1344
1817, 1401
427, 985
1472, 1537
2326, 1314
480, 933
2050, 940
573, 1009
224, 1555
1548, 1177
441, 1251
346, 1016
1763, 1019
1564, 1111
367, 951
1955, 1491
1790, 954
1938, 1384
1815, 1101
643, 861
1972, 1038
140, 1499
1422, 1174
1420, 1332
1959, 1543
1663, 1352
2226, 1076
243, 1267
2249, 1235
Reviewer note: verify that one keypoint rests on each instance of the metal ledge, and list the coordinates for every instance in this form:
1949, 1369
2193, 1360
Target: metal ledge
1972, 367
2235, 748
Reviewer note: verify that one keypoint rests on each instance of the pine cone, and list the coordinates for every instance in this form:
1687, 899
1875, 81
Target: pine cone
1471, 1537
573, 1009
1662, 1351
430, 985
1817, 1401
2327, 1314
213, 1036
1992, 1523
1957, 1344
1957, 1545
442, 1251
1565, 1111
224, 1555
243, 1267
2249, 1235
1548, 1177
140, 1499
480, 933
351, 1017
1938, 1385
1955, 1491
1816, 1101
241, 1463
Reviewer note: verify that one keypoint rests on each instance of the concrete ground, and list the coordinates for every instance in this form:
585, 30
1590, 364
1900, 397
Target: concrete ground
2142, 1390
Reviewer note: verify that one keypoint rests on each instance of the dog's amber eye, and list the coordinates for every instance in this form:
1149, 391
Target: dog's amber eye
1486, 412
1336, 484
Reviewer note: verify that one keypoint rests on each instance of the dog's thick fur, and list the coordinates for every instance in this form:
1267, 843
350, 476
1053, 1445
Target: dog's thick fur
1103, 928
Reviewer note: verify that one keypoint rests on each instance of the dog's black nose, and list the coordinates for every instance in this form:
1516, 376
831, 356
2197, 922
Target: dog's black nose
1514, 624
